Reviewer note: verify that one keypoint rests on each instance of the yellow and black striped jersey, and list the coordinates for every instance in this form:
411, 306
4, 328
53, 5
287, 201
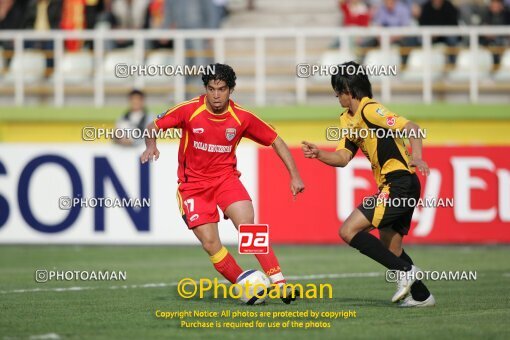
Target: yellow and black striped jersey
368, 130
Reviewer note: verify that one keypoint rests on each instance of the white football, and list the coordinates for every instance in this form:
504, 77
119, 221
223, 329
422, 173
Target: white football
259, 283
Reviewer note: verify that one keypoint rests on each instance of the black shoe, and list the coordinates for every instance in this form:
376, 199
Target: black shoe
290, 295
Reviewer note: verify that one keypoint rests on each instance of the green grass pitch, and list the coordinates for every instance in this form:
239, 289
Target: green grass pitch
418, 111
465, 309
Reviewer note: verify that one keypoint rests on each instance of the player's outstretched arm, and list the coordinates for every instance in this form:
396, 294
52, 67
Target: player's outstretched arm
416, 148
151, 151
339, 158
281, 149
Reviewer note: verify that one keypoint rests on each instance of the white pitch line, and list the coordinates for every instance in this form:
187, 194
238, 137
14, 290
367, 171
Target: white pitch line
52, 336
171, 284
333, 276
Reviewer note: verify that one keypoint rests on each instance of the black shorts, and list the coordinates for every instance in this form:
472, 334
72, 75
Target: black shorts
394, 204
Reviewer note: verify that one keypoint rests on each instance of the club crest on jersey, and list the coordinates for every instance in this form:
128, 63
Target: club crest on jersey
230, 133
390, 121
383, 196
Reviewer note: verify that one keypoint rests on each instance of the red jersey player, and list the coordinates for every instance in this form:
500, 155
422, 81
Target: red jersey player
213, 126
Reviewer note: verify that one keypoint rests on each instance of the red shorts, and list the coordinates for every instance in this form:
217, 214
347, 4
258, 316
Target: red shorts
199, 201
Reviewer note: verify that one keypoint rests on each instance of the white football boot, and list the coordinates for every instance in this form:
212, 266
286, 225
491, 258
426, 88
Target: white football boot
404, 283
410, 302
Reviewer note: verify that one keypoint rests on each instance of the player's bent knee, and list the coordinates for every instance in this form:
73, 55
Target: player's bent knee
211, 246
345, 233
247, 221
397, 251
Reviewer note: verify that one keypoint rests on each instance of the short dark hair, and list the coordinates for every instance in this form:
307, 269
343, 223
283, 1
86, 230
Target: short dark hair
136, 92
221, 72
352, 78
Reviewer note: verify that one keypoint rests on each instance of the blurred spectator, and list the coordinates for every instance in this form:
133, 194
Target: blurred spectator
440, 13
155, 14
470, 11
415, 6
12, 14
129, 14
190, 14
93, 9
73, 18
194, 14
12, 17
496, 14
43, 15
393, 13
158, 17
104, 18
220, 12
137, 117
355, 13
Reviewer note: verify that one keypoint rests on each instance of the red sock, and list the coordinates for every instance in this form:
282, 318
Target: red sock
270, 264
226, 265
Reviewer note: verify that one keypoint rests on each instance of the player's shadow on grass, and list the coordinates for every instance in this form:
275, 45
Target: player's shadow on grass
359, 302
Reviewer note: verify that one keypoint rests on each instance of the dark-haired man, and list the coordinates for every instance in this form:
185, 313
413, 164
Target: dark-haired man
394, 171
213, 126
136, 118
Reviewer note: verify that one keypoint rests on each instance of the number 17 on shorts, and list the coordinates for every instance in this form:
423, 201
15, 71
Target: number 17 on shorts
253, 239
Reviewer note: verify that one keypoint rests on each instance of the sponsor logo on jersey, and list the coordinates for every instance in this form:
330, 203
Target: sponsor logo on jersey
198, 130
194, 217
391, 120
230, 133
212, 147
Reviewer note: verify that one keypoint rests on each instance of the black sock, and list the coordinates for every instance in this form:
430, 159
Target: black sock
418, 290
370, 246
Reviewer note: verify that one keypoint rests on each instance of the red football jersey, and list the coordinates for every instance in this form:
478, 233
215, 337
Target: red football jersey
208, 145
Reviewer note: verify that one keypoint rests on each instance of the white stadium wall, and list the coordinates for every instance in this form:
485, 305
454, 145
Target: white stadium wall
34, 176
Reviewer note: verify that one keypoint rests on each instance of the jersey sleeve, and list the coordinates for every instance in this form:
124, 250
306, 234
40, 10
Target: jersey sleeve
382, 117
172, 118
346, 143
258, 131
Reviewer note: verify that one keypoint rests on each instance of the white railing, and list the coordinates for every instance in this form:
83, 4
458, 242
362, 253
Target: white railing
259, 36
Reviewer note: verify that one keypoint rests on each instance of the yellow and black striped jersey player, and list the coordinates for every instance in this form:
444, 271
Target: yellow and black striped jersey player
394, 171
